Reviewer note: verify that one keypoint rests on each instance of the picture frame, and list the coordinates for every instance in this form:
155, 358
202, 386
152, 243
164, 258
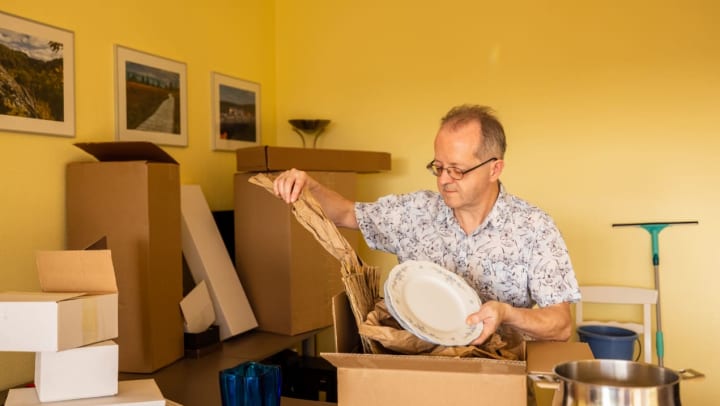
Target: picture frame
39, 88
235, 113
151, 98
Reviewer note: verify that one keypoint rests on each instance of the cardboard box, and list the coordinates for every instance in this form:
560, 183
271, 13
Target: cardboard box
378, 379
132, 196
266, 158
78, 373
141, 392
288, 276
210, 262
78, 304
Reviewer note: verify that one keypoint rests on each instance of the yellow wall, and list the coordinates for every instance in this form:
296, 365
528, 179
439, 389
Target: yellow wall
235, 38
609, 111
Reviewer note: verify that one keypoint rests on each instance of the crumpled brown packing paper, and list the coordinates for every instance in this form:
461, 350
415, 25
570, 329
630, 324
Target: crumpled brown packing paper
379, 331
383, 328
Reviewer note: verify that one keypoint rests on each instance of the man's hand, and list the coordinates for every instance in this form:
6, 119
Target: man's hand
491, 315
547, 323
289, 184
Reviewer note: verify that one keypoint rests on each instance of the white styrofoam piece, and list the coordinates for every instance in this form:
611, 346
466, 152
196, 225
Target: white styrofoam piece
197, 309
140, 392
209, 261
78, 373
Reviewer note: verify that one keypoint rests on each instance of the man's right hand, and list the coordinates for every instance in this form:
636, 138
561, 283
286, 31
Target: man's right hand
289, 184
341, 211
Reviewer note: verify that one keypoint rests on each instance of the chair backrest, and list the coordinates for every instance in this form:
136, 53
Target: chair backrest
621, 295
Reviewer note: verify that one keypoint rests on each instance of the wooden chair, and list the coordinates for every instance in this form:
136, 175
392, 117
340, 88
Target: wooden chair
621, 295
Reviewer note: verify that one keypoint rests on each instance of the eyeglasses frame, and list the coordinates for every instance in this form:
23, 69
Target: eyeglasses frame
441, 169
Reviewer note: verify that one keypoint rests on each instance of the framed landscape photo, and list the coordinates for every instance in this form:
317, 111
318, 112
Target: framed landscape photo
37, 86
235, 113
151, 98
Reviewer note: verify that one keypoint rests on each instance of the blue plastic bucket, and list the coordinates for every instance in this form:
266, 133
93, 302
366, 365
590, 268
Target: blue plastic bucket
609, 342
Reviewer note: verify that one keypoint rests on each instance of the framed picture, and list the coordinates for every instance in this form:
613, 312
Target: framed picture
235, 113
151, 98
37, 85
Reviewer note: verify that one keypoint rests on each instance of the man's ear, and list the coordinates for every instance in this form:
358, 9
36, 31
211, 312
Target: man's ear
496, 169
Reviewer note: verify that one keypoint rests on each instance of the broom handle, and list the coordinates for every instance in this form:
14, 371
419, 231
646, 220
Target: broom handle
659, 341
654, 229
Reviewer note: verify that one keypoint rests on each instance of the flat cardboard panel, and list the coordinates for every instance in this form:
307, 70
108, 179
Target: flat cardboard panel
209, 261
266, 158
136, 205
78, 373
288, 276
141, 392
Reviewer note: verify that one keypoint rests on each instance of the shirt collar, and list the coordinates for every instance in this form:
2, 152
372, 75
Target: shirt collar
495, 218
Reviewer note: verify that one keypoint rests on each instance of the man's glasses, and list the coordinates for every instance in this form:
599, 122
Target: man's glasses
454, 172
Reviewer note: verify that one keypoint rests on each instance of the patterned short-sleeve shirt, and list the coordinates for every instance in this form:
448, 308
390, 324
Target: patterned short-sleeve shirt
516, 256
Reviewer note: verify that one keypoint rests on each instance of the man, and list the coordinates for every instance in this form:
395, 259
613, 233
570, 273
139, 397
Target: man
508, 250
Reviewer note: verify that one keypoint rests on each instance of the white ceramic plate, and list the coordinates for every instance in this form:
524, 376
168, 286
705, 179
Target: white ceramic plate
432, 302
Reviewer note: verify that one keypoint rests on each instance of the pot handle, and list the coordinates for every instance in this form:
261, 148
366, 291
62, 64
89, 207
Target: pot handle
550, 381
640, 348
690, 373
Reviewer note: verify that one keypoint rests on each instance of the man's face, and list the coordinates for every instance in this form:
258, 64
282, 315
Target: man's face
456, 147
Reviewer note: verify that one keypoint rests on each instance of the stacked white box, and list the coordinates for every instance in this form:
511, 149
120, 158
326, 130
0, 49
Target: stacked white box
78, 304
85, 372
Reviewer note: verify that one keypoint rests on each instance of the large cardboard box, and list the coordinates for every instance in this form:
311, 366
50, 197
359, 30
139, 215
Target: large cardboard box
132, 196
288, 276
78, 304
266, 158
78, 373
390, 380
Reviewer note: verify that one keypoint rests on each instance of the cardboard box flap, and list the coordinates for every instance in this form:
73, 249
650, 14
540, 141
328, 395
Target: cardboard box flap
425, 363
345, 332
266, 158
37, 296
88, 271
542, 356
126, 151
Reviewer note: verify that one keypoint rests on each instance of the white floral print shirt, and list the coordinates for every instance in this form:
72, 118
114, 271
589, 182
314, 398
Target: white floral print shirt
516, 256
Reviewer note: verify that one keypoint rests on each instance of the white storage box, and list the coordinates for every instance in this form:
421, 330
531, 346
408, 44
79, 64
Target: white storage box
78, 304
78, 373
141, 392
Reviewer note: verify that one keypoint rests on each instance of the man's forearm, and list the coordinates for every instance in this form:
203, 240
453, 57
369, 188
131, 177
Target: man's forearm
337, 208
548, 323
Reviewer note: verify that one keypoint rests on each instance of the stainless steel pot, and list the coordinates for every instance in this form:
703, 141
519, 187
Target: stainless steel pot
616, 382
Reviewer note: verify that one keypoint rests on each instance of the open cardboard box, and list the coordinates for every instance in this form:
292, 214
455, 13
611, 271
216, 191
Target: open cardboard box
131, 195
78, 304
379, 379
